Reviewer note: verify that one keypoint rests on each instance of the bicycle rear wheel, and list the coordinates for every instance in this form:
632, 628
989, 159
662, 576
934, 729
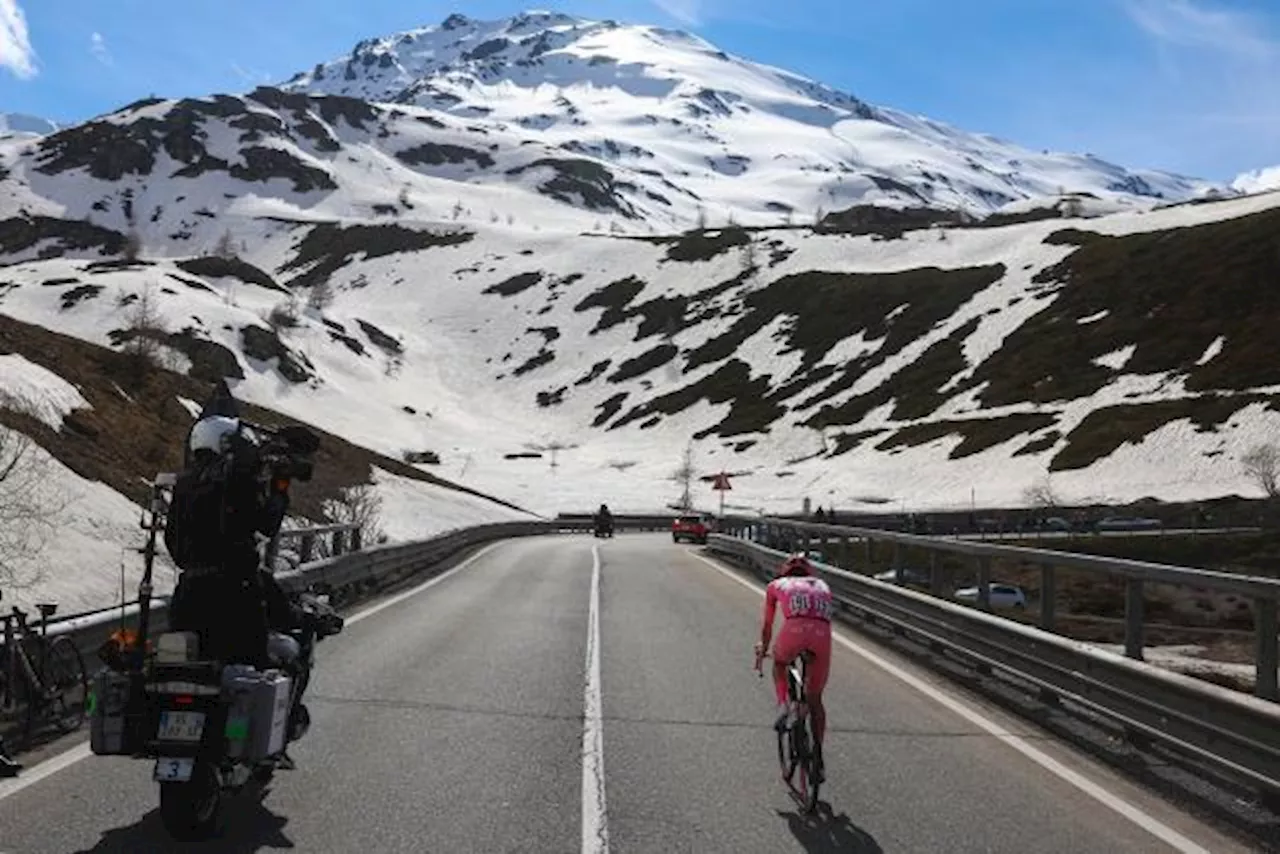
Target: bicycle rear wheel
68, 684
786, 757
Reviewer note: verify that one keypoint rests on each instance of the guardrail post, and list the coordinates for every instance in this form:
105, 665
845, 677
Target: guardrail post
306, 548
357, 539
984, 583
935, 574
846, 553
1268, 655
1133, 607
866, 547
338, 540
897, 556
1048, 595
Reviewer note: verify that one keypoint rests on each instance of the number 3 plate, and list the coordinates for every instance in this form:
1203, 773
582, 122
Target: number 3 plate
173, 770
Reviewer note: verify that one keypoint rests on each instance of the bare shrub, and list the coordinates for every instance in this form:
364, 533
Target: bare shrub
225, 248
144, 334
321, 295
1041, 495
132, 245
30, 504
1262, 465
684, 475
356, 505
283, 315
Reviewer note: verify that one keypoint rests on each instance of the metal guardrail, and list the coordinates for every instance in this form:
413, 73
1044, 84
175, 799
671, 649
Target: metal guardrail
1236, 733
1263, 593
346, 538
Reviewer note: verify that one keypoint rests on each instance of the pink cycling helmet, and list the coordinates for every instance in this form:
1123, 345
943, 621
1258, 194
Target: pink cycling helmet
797, 564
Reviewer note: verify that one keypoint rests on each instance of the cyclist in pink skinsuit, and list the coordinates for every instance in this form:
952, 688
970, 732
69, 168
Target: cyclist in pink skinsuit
806, 610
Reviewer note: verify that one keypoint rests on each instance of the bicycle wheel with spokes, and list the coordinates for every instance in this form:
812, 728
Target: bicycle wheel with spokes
786, 756
67, 683
808, 766
805, 785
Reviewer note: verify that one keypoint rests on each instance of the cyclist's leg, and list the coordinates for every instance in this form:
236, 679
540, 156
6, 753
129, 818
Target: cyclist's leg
786, 647
818, 641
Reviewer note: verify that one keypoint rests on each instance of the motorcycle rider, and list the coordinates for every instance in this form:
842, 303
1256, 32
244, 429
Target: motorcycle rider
604, 519
219, 506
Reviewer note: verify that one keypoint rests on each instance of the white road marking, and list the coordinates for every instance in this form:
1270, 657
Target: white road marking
1144, 820
595, 826
51, 766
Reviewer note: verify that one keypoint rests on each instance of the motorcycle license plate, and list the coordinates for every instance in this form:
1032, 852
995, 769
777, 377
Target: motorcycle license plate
181, 726
173, 770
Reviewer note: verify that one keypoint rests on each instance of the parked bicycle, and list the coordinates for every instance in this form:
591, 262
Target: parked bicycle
42, 678
796, 750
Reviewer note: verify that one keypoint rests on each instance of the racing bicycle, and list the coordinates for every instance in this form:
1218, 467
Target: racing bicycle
42, 676
798, 756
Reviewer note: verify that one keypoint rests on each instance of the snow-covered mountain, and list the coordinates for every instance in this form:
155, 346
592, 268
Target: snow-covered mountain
1258, 180
744, 140
20, 123
902, 352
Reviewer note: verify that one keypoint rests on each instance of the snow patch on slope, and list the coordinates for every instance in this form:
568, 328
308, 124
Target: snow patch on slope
37, 392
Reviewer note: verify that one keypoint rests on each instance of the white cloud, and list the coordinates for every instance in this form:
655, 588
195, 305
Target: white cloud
1217, 68
690, 12
249, 75
15, 45
1259, 181
98, 47
1188, 24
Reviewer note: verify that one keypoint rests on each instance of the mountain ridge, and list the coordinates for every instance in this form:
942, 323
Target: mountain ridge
565, 78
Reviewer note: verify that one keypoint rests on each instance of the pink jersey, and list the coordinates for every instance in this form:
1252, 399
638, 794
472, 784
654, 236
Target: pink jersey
801, 596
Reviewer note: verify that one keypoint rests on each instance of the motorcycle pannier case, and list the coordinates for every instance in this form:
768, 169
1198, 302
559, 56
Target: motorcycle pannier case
115, 725
258, 713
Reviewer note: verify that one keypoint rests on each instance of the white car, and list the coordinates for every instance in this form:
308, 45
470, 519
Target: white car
1000, 595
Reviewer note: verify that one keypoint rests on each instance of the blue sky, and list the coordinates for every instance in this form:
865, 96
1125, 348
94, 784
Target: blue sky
1187, 85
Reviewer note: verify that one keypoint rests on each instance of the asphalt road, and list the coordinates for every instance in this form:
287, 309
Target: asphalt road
452, 720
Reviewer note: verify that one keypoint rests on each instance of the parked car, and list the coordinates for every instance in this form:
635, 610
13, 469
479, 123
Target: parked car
904, 576
691, 527
1000, 595
1128, 523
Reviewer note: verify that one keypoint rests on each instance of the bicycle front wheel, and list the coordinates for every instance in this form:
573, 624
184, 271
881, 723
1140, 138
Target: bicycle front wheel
68, 684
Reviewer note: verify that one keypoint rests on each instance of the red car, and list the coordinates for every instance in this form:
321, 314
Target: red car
689, 527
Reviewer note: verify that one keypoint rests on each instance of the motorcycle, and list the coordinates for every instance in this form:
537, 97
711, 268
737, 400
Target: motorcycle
211, 729
603, 527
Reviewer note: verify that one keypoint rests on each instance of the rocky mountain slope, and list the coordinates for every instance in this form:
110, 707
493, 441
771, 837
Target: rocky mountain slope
1128, 354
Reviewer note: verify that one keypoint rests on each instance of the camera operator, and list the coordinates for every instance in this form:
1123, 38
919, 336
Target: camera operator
224, 497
